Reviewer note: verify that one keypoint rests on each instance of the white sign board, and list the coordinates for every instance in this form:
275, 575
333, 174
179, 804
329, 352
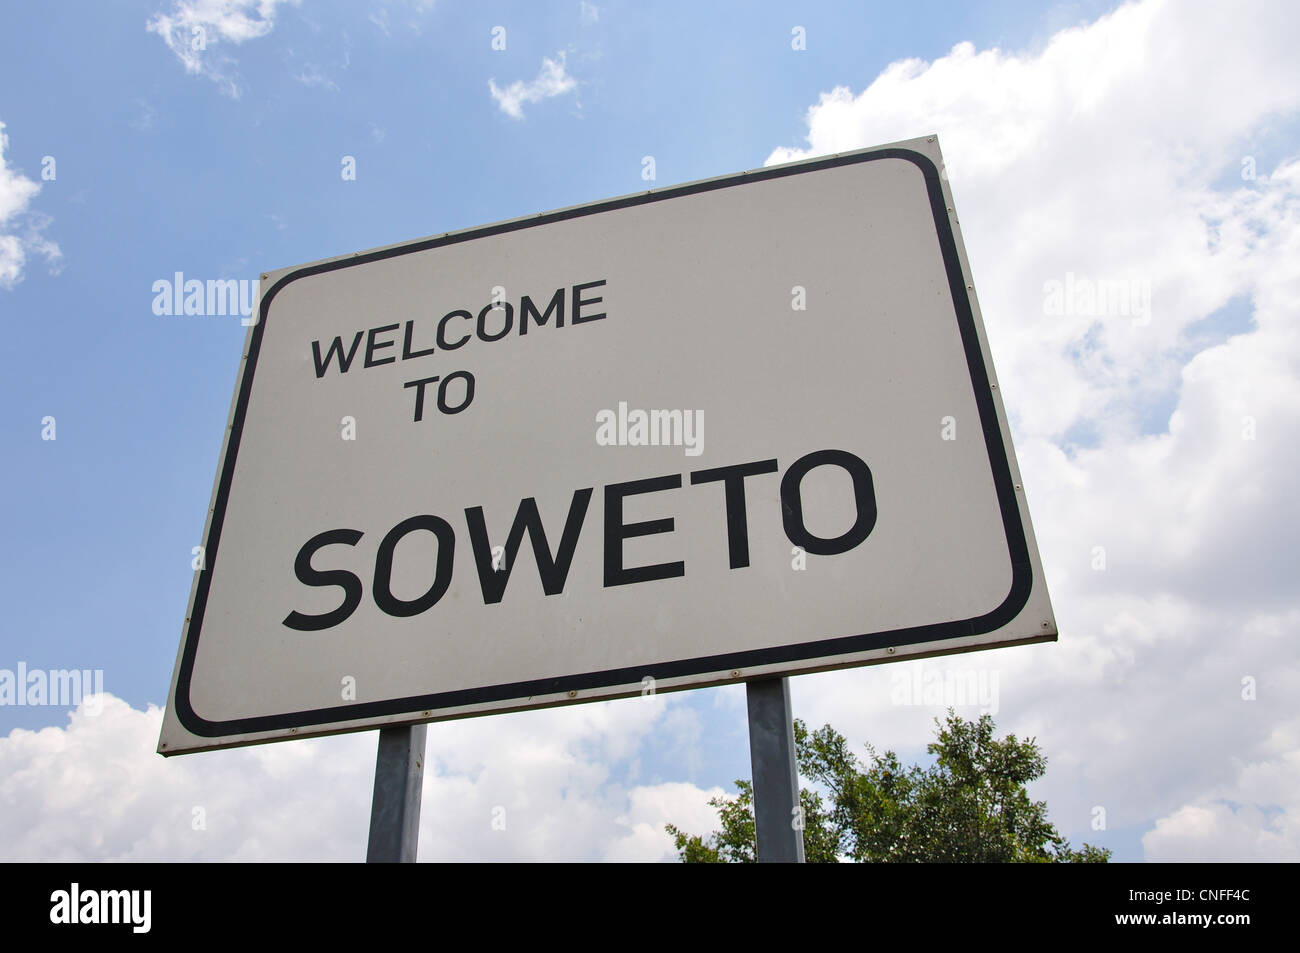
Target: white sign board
746, 426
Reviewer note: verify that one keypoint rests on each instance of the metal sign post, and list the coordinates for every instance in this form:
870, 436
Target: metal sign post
395, 810
778, 822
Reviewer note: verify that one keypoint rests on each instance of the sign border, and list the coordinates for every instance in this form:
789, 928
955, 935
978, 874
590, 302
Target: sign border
345, 716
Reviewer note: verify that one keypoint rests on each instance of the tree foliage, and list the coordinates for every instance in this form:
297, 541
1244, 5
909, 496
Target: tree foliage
970, 806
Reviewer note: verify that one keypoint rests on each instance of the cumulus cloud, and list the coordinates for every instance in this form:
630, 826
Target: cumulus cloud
21, 229
551, 81
532, 786
1255, 815
195, 30
1158, 451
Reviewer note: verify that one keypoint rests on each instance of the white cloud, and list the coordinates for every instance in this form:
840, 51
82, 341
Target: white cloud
148, 115
1116, 153
551, 81
310, 75
97, 791
16, 190
1255, 816
21, 229
195, 29
415, 12
649, 808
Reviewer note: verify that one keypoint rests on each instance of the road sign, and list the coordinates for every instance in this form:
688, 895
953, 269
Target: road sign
742, 427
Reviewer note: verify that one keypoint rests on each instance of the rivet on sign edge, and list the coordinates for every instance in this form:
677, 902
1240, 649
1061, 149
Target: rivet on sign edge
890, 650
931, 139
1047, 625
735, 673
573, 693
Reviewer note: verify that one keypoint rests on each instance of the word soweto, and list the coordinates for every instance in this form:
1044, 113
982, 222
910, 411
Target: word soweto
454, 329
493, 575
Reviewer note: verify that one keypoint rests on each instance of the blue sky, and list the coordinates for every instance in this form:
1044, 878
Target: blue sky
235, 169
159, 171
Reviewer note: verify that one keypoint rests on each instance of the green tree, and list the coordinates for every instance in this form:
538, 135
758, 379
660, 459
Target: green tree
970, 806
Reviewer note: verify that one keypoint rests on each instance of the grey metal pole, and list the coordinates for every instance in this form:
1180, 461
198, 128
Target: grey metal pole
395, 810
778, 827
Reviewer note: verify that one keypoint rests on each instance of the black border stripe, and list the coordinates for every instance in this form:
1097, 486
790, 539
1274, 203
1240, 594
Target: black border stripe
1017, 545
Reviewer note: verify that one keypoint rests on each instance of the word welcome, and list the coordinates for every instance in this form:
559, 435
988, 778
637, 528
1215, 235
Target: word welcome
452, 331
553, 567
651, 428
